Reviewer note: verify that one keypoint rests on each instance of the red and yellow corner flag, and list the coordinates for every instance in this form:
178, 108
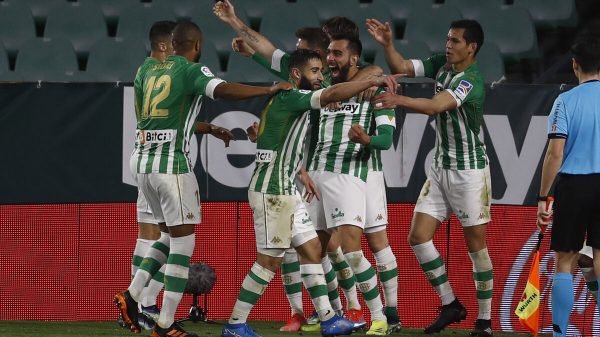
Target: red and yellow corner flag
528, 308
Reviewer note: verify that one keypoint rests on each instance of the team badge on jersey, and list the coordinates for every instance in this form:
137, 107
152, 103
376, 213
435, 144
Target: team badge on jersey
463, 89
206, 71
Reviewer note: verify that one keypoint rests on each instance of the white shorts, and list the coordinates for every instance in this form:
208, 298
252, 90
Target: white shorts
377, 217
466, 193
173, 198
144, 213
280, 222
587, 251
342, 200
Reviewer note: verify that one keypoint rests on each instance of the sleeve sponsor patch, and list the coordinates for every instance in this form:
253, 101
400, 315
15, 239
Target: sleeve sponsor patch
463, 89
206, 71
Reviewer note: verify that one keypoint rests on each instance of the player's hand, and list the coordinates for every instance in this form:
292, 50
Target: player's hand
280, 86
239, 46
366, 95
385, 100
334, 106
382, 33
544, 214
224, 10
358, 135
310, 189
252, 132
222, 133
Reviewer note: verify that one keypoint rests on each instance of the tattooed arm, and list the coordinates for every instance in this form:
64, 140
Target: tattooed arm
224, 10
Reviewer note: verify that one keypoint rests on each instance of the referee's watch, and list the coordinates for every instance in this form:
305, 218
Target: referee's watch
542, 198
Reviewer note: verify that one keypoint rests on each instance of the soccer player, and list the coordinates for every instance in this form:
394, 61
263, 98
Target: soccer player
168, 99
315, 39
459, 179
148, 230
339, 168
572, 164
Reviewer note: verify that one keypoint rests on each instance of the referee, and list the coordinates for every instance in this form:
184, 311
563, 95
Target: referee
574, 155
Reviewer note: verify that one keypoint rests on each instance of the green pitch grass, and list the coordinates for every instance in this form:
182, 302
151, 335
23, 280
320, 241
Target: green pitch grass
98, 329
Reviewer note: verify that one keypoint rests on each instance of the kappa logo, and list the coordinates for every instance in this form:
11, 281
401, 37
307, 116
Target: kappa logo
463, 89
358, 218
189, 216
276, 240
379, 217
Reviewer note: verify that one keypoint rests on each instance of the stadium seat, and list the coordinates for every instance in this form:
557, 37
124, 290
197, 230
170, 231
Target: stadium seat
46, 59
244, 69
135, 21
112, 9
551, 13
115, 59
82, 24
409, 49
516, 40
16, 25
183, 8
359, 13
210, 57
472, 9
432, 26
213, 29
282, 25
400, 10
490, 63
10, 76
4, 65
254, 10
40, 8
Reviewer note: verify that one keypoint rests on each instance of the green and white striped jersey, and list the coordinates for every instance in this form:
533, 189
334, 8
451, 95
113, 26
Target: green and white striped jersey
279, 65
168, 96
280, 143
334, 152
459, 141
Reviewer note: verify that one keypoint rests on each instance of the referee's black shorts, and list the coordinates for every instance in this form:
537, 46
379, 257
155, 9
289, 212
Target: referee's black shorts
576, 212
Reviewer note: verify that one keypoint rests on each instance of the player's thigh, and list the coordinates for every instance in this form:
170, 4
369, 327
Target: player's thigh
469, 193
179, 198
273, 221
303, 229
315, 207
150, 193
344, 200
571, 216
432, 199
376, 216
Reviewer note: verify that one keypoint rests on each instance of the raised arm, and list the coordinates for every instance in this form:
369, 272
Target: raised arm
237, 91
428, 106
225, 11
342, 91
382, 33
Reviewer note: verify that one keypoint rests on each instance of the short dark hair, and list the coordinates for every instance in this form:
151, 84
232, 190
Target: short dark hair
314, 36
473, 32
300, 57
185, 35
354, 44
340, 26
160, 32
586, 52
